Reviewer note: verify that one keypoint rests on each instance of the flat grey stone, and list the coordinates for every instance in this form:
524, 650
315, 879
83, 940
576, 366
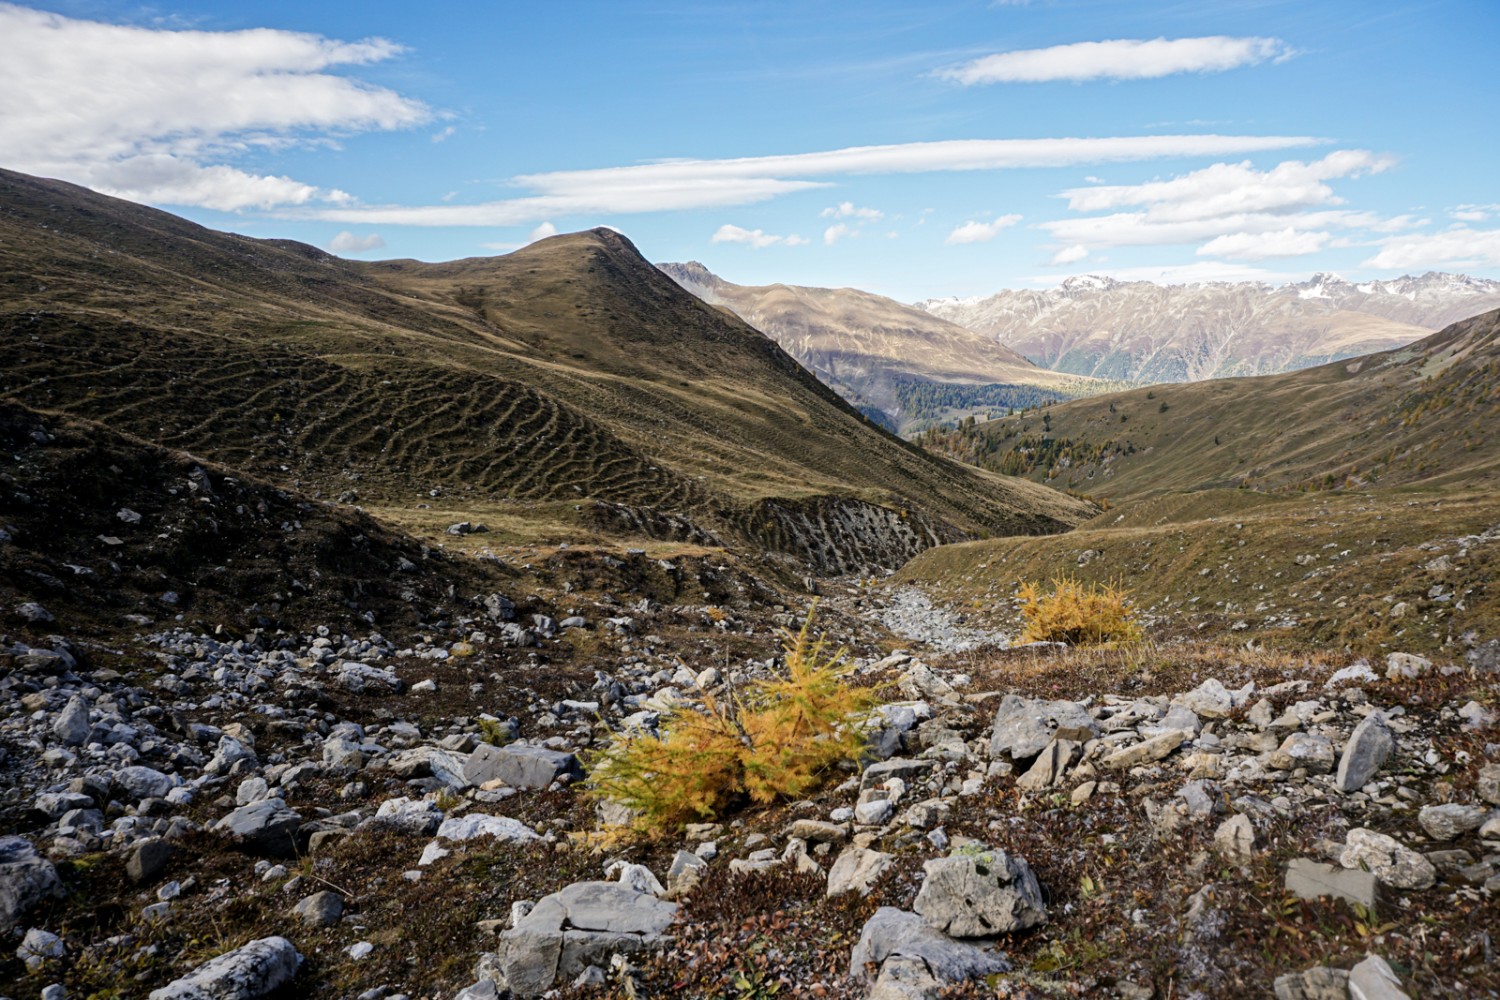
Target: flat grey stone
267, 826
893, 933
1309, 879
320, 909
1451, 821
480, 825
518, 766
245, 973
1318, 983
148, 859
896, 767
1023, 727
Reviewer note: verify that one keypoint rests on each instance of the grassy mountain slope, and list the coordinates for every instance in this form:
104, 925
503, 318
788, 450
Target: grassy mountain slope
905, 366
570, 376
1424, 413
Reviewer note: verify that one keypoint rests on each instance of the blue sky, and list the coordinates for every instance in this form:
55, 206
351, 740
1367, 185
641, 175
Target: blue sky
912, 149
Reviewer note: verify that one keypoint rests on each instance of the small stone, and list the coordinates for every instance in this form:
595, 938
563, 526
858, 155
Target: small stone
1235, 839
856, 870
1387, 859
1406, 666
1318, 983
1145, 752
320, 909
1373, 979
251, 971
148, 859
1451, 821
1308, 750
1369, 747
980, 893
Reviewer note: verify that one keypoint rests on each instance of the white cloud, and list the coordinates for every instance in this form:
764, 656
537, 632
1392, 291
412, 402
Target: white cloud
1119, 59
541, 232
692, 184
796, 241
347, 242
153, 115
1458, 247
1473, 213
1070, 255
756, 239
848, 210
1262, 246
981, 232
444, 134
834, 233
1222, 200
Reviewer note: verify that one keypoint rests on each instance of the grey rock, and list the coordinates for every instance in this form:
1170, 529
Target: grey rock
602, 906
1308, 750
1387, 859
56, 804
980, 893
856, 869
480, 825
1023, 727
579, 926
1318, 983
139, 782
875, 812
896, 767
1373, 979
1488, 787
37, 947
484, 989
685, 872
245, 973
1369, 747
266, 827
34, 613
518, 766
1451, 821
425, 762
893, 933
1049, 767
1146, 751
320, 909
26, 879
903, 978
1406, 665
416, 817
1235, 839
148, 859
1309, 879
72, 724
229, 753
1213, 700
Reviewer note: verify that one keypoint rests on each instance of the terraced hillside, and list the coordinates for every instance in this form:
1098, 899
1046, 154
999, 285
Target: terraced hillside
905, 367
1421, 414
570, 376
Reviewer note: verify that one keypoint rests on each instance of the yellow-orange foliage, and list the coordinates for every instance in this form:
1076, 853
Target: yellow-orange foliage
1077, 613
775, 739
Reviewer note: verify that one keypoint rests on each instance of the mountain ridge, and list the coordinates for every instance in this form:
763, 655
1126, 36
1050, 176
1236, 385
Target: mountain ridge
881, 354
1144, 332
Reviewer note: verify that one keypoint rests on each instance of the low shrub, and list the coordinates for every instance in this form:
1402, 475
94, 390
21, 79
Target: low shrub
1077, 613
772, 740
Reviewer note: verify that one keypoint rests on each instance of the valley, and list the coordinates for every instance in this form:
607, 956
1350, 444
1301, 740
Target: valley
335, 592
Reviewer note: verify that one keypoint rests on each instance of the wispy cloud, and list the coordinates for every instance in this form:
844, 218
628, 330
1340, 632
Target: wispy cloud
1070, 255
981, 232
1460, 246
347, 242
834, 233
756, 239
694, 184
159, 116
1287, 242
1119, 59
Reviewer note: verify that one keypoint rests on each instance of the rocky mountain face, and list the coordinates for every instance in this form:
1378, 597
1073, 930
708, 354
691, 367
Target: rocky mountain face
905, 367
1143, 332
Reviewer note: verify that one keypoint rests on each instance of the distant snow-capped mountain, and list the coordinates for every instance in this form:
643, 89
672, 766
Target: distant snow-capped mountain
1140, 331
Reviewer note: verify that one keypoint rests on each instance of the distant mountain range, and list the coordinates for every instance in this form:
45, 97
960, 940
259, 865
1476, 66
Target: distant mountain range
902, 366
1143, 332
